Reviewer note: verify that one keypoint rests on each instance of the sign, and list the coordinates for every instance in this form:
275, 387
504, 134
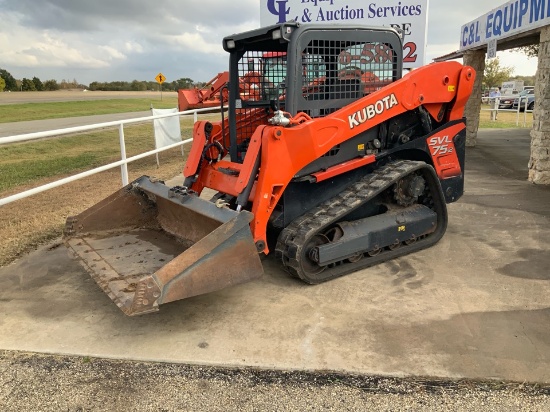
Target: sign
512, 87
509, 19
160, 78
411, 16
492, 49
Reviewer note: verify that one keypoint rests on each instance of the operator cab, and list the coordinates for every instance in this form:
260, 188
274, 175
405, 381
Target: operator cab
295, 68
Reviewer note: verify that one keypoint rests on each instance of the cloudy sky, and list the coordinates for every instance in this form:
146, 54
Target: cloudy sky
99, 40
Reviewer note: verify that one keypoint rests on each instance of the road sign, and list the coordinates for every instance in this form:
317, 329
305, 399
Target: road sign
160, 78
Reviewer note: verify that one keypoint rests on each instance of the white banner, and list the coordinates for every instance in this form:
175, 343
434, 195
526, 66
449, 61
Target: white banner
411, 16
167, 129
511, 18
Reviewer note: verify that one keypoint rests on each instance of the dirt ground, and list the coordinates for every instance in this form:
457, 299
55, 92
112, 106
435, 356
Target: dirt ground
36, 220
75, 95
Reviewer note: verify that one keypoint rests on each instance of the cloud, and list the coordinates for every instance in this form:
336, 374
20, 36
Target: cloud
133, 47
195, 42
135, 39
41, 49
164, 16
112, 53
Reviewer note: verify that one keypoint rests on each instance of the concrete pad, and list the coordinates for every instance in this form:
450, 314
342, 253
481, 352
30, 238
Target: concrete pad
476, 305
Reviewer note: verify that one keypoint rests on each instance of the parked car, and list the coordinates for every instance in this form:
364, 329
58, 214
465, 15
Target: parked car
526, 96
507, 102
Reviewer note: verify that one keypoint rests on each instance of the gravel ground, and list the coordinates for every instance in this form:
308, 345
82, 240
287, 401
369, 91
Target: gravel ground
34, 382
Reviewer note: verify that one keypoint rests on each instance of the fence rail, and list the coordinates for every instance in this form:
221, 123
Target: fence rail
495, 102
123, 162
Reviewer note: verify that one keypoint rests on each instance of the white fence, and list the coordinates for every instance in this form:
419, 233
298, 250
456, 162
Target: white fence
123, 162
495, 102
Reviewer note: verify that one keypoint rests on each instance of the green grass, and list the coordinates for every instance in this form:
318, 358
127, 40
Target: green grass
15, 174
505, 120
57, 110
24, 163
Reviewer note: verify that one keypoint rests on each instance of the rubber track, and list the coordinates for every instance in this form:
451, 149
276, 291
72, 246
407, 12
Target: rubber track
298, 233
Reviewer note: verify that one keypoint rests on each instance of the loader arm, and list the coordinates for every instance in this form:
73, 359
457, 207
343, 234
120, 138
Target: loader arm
207, 96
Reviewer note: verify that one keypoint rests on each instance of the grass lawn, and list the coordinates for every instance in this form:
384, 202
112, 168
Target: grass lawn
25, 163
505, 120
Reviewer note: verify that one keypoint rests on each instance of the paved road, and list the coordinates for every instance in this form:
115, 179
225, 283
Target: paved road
76, 95
16, 128
11, 129
476, 305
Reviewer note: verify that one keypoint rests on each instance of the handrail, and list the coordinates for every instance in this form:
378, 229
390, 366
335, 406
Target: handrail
81, 175
123, 163
496, 102
50, 133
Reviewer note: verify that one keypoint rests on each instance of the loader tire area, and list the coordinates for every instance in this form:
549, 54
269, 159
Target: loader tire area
298, 240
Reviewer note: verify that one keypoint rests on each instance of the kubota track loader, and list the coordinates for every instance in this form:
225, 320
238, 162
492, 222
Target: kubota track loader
334, 162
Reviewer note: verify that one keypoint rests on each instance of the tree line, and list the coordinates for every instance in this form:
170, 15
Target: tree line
494, 75
9, 83
140, 85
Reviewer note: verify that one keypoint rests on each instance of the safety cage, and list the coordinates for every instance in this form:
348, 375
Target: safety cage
301, 68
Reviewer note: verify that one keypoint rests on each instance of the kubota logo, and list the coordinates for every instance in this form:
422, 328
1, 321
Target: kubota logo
280, 11
368, 112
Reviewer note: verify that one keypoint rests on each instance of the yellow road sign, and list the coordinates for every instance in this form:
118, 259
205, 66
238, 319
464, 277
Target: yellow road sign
160, 78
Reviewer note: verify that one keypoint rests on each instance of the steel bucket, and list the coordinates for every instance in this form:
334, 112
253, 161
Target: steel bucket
148, 244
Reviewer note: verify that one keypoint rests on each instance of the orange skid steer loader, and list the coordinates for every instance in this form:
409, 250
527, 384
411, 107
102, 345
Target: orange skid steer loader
334, 163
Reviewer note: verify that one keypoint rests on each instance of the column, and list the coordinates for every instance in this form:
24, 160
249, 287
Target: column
539, 164
476, 59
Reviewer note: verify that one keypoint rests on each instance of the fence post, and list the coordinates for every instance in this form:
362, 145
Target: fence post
494, 103
517, 112
525, 112
124, 166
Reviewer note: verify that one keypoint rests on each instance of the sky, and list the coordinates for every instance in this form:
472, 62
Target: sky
99, 40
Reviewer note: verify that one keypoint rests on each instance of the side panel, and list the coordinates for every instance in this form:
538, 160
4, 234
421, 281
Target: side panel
285, 151
445, 150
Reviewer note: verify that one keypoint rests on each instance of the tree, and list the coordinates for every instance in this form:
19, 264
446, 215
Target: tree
184, 83
37, 84
527, 80
2, 84
138, 86
531, 50
51, 85
495, 74
11, 84
27, 85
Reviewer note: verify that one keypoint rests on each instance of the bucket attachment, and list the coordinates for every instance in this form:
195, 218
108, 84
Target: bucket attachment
148, 244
